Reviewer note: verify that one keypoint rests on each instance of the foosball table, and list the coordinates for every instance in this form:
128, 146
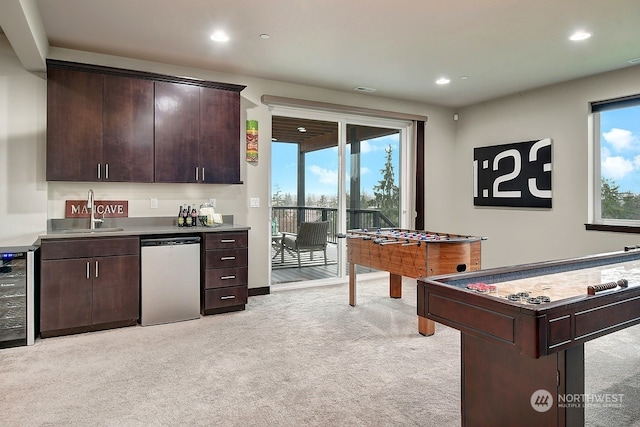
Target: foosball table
410, 253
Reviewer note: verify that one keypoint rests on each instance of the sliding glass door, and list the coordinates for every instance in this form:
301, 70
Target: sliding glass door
347, 171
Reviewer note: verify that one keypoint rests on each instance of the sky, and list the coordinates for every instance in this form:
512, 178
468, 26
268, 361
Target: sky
620, 147
322, 166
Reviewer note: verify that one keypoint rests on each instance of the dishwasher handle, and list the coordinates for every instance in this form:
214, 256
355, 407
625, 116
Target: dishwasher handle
170, 241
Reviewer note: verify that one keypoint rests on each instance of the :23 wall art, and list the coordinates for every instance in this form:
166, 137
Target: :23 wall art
514, 175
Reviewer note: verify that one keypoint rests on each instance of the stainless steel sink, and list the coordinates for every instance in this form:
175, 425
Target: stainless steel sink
88, 230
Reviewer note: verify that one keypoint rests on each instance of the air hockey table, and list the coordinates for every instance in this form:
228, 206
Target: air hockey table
523, 330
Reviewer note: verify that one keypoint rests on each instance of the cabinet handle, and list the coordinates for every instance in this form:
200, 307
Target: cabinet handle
202, 174
228, 241
227, 277
98, 169
87, 269
106, 171
96, 268
228, 297
227, 258
196, 174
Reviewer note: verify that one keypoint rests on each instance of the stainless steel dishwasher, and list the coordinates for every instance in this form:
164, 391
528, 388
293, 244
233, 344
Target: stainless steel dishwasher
169, 279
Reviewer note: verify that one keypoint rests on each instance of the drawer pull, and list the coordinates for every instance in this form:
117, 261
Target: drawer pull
227, 277
228, 241
227, 258
228, 297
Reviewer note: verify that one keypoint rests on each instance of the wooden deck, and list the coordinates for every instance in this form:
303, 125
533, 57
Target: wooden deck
311, 269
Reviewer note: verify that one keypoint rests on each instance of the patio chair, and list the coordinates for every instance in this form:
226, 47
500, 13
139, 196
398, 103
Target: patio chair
311, 237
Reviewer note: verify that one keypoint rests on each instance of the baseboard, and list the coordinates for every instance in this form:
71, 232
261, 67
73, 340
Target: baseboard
264, 290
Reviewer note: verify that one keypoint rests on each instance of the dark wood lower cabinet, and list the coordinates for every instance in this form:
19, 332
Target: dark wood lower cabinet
92, 292
65, 294
224, 272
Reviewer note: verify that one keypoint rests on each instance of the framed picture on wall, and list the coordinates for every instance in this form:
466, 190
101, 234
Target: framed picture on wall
514, 175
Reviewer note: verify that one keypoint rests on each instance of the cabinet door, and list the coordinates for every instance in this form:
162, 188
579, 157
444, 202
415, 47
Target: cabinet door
74, 125
127, 145
116, 289
177, 108
220, 135
65, 294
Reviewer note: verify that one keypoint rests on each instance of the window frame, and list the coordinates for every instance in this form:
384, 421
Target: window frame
598, 222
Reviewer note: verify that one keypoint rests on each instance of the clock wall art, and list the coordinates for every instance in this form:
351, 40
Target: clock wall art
515, 175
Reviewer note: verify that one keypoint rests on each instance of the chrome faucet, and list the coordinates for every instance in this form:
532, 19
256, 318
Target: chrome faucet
91, 205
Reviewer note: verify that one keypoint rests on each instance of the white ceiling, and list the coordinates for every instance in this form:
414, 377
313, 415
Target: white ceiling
399, 47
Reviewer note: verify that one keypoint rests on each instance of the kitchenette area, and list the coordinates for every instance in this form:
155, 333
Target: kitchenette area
121, 131
139, 270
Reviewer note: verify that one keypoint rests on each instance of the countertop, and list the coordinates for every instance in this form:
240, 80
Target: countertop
79, 228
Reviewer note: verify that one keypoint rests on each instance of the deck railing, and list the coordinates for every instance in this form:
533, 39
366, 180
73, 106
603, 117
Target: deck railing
288, 218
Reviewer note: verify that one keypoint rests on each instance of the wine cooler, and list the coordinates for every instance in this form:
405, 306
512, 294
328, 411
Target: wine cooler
17, 303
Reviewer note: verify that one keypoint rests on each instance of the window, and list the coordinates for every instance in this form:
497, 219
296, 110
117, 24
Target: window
617, 171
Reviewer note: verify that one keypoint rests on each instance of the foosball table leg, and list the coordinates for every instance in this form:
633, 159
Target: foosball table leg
395, 286
352, 284
426, 327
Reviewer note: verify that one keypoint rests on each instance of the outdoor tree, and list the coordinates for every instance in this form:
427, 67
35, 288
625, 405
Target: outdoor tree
618, 205
277, 198
386, 192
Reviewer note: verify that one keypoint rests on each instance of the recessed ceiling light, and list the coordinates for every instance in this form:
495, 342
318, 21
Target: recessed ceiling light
464, 77
265, 36
579, 35
443, 81
634, 61
302, 129
220, 36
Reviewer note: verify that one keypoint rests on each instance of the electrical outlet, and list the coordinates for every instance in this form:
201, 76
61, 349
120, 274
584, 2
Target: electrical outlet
212, 201
153, 203
255, 202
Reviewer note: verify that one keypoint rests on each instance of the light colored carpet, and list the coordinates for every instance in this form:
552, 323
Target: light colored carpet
293, 358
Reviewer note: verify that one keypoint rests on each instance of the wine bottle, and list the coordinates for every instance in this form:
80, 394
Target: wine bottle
194, 217
187, 218
180, 218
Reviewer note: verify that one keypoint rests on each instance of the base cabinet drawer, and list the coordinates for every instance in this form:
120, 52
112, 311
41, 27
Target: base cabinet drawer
221, 299
225, 277
224, 273
232, 257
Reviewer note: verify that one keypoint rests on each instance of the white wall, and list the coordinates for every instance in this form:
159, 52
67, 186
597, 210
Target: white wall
27, 116
560, 112
23, 190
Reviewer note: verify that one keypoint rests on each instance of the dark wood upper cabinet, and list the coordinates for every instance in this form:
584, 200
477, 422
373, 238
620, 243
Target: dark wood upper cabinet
74, 125
127, 119
219, 136
197, 134
110, 124
177, 108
